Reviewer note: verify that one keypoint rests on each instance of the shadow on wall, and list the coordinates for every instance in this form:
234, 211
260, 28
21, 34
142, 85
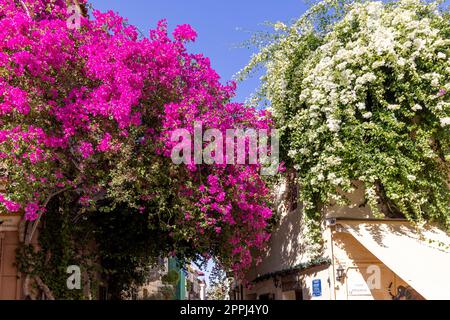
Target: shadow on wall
427, 234
287, 245
307, 277
361, 264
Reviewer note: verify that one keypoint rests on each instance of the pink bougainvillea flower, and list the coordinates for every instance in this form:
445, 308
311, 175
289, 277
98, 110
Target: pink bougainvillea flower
184, 33
75, 102
32, 211
86, 149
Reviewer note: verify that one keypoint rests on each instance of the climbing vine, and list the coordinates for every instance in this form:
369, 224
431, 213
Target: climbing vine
49, 261
360, 92
117, 249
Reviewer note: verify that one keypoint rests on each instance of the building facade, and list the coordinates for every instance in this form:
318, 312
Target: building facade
10, 279
363, 258
182, 284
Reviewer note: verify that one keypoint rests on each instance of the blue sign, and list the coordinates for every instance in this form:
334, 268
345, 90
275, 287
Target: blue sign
317, 288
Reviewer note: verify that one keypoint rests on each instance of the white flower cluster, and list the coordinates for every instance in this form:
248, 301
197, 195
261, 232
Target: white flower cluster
359, 92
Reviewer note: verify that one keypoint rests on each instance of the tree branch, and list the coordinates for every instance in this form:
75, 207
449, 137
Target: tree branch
36, 222
24, 6
47, 292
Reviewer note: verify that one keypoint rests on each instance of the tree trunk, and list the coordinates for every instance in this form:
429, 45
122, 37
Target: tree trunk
25, 238
48, 295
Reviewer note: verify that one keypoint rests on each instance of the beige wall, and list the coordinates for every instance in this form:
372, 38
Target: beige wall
356, 210
285, 291
289, 246
263, 288
10, 283
324, 274
367, 278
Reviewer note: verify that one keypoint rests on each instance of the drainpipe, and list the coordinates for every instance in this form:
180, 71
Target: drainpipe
180, 288
330, 223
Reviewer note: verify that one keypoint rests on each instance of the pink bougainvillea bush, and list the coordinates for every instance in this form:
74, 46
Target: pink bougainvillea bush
88, 111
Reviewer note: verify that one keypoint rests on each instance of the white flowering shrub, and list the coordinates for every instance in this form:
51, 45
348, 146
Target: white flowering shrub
361, 92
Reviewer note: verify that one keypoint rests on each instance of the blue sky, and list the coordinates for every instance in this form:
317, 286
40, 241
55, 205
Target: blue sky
222, 26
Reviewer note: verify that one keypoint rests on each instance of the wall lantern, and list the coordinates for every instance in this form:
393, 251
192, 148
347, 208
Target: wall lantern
340, 273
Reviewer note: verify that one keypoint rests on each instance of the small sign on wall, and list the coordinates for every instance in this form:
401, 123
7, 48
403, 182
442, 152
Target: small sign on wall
317, 288
9, 222
358, 287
